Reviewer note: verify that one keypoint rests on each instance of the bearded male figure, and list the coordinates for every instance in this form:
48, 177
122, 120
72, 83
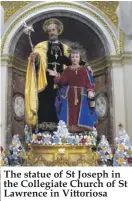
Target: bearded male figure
40, 90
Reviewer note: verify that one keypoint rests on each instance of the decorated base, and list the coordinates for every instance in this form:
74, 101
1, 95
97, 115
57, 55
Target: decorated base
63, 149
61, 155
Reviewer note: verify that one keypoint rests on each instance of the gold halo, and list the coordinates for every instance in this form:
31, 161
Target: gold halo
53, 21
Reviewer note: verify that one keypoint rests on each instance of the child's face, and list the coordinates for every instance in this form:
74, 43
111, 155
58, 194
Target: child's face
75, 58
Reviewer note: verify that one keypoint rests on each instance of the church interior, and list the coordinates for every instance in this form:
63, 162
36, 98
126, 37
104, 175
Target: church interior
103, 30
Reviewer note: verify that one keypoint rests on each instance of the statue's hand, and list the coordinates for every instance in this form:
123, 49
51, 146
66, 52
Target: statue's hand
90, 69
52, 72
33, 56
91, 95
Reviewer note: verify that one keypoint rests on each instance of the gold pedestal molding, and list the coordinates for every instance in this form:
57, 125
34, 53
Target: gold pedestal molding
61, 155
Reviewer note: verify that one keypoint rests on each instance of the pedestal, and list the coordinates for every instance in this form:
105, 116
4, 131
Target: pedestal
61, 155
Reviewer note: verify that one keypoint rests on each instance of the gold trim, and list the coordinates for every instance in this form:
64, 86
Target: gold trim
46, 5
107, 7
127, 56
121, 42
61, 155
10, 8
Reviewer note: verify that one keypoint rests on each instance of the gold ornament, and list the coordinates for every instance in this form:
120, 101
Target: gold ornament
107, 7
61, 155
46, 5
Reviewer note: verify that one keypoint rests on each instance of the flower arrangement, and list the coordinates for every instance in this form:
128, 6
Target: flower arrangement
122, 155
104, 151
3, 157
16, 152
62, 136
123, 149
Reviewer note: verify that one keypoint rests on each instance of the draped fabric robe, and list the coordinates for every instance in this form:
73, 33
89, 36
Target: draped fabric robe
36, 83
75, 109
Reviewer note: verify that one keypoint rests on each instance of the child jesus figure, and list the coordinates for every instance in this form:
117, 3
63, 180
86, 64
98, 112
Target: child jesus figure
76, 110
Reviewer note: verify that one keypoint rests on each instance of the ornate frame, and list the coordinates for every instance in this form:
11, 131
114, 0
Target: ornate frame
104, 95
15, 115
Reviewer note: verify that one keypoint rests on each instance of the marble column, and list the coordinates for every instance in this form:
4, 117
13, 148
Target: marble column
117, 75
1, 20
124, 13
128, 92
4, 91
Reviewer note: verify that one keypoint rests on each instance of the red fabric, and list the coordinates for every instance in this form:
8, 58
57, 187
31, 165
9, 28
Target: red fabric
74, 78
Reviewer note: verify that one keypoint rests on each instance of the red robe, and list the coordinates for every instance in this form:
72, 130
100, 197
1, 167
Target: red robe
76, 80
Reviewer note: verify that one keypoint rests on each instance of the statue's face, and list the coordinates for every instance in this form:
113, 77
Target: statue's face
52, 32
75, 58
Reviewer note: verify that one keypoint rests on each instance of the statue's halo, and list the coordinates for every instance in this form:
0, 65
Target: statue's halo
53, 21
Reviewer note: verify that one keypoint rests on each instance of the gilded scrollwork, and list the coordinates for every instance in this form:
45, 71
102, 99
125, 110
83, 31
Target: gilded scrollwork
107, 7
70, 5
63, 156
121, 42
12, 7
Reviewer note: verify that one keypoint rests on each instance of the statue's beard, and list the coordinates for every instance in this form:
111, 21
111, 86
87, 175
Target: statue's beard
53, 38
